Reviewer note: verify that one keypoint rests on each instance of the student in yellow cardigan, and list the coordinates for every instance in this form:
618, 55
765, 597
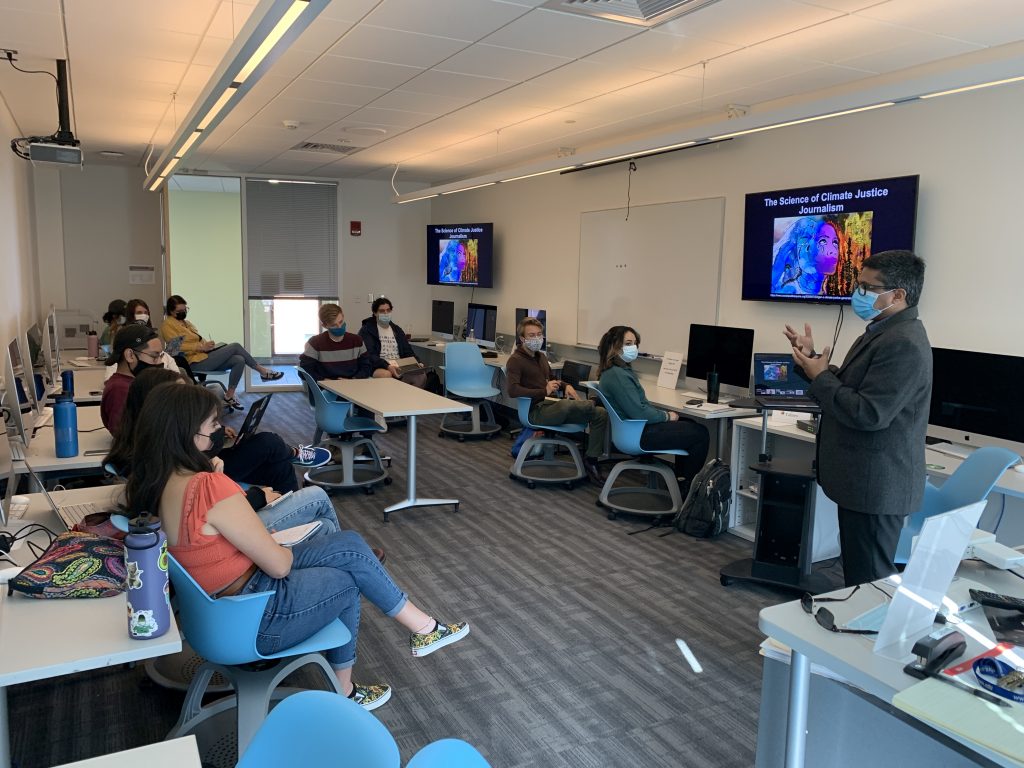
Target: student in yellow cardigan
205, 356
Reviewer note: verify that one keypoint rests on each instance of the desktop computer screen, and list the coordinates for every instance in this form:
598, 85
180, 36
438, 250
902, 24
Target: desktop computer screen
6, 473
442, 318
729, 351
12, 402
24, 383
540, 314
483, 320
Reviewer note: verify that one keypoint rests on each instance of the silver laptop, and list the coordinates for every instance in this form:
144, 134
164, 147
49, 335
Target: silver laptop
778, 383
69, 514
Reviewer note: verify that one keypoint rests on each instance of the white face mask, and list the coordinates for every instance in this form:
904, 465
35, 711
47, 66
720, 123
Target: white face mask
143, 318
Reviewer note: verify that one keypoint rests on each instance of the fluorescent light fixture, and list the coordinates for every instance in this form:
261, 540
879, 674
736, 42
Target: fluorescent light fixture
610, 159
296, 181
466, 189
670, 147
225, 97
192, 139
272, 39
169, 168
538, 173
415, 199
802, 120
159, 180
973, 87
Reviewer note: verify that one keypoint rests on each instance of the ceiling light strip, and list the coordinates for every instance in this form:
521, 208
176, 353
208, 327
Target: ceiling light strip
973, 87
421, 197
466, 189
272, 39
801, 120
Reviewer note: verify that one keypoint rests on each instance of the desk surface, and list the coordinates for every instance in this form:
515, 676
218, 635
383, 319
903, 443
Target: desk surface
675, 400
495, 362
88, 384
852, 657
47, 638
391, 397
175, 753
92, 436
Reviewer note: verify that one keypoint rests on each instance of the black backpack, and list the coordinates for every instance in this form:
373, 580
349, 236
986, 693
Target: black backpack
705, 512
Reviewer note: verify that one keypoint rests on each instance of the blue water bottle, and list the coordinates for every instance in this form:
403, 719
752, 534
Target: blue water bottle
145, 560
65, 427
67, 383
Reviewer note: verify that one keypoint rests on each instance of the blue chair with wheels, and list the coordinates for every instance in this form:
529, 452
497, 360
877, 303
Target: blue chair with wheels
448, 753
547, 468
972, 481
223, 631
468, 378
334, 418
318, 729
626, 439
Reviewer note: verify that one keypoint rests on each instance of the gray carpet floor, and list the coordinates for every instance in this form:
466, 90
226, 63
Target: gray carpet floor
571, 660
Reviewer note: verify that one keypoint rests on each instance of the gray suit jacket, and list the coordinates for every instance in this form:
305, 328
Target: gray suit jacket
874, 413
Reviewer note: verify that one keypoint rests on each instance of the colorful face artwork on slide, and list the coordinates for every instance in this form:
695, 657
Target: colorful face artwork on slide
458, 261
819, 255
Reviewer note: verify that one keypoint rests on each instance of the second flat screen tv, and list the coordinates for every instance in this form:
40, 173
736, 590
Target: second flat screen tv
808, 244
460, 254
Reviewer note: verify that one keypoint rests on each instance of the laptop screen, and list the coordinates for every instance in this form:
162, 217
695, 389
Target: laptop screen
776, 375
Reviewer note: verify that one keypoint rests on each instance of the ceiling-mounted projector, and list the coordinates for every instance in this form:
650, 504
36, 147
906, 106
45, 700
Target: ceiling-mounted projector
45, 153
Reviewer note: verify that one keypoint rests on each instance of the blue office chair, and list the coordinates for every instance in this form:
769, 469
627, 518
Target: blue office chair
334, 418
318, 729
223, 631
467, 377
448, 753
626, 439
972, 481
546, 468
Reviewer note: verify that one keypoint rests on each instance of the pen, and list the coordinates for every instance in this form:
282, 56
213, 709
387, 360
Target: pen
981, 694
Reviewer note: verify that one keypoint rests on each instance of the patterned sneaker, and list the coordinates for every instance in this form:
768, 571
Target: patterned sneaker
370, 696
445, 634
309, 456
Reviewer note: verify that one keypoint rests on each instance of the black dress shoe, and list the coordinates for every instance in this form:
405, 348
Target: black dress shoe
593, 470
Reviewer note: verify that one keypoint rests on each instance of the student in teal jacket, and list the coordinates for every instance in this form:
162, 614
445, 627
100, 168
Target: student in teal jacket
619, 384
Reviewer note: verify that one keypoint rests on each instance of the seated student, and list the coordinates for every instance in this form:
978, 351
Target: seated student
114, 319
619, 383
202, 356
136, 312
135, 348
385, 340
300, 507
529, 375
224, 546
337, 354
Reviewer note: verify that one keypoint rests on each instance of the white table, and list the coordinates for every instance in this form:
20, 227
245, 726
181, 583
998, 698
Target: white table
675, 400
40, 639
88, 384
92, 436
391, 397
851, 656
175, 753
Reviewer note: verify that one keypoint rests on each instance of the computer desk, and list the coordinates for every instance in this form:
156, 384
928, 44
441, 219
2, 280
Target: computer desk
92, 436
40, 639
174, 753
675, 400
391, 397
851, 656
88, 384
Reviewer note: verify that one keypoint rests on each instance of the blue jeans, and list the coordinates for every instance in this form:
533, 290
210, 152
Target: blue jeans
329, 574
231, 357
303, 506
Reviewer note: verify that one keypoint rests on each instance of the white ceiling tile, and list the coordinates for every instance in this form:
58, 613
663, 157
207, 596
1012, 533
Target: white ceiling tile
312, 115
321, 35
335, 93
466, 86
579, 81
391, 46
660, 52
846, 6
340, 69
348, 10
985, 22
560, 34
661, 92
389, 117
432, 103
506, 63
190, 16
462, 19
745, 22
919, 50
33, 34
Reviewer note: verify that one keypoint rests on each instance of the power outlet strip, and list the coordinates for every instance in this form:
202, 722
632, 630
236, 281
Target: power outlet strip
984, 547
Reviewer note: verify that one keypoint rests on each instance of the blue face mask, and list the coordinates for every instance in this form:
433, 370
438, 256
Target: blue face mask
864, 304
629, 353
340, 331
383, 319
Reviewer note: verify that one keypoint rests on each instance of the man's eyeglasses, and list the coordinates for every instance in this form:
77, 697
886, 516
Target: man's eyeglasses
154, 356
824, 616
863, 288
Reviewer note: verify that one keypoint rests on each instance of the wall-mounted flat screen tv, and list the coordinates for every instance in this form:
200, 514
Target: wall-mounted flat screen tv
808, 244
460, 254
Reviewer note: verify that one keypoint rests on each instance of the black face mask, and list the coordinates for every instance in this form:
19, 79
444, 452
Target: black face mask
217, 437
181, 315
141, 365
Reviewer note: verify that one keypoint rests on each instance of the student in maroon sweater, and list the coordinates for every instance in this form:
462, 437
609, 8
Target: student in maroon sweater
337, 354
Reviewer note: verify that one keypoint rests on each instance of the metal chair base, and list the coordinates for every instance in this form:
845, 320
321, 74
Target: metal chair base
615, 500
475, 426
362, 472
548, 468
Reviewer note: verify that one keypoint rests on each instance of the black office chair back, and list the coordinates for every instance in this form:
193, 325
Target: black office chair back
573, 373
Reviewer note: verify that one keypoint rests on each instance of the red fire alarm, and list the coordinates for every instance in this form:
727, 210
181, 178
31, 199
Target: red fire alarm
355, 228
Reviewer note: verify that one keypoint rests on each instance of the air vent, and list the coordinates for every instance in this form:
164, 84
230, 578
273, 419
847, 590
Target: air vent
328, 149
640, 13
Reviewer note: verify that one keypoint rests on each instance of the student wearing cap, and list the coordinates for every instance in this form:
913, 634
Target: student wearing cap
136, 347
114, 318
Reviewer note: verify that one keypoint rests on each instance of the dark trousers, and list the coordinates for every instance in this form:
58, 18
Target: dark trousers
261, 459
685, 434
869, 545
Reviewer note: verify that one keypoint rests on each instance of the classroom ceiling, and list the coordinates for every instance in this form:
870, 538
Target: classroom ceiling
452, 89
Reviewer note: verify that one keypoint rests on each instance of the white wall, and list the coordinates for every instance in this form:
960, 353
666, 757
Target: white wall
966, 149
19, 303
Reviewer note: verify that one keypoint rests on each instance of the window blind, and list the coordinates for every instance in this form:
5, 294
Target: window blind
291, 239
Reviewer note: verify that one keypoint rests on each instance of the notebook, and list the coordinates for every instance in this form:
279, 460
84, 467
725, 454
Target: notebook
173, 347
408, 365
778, 383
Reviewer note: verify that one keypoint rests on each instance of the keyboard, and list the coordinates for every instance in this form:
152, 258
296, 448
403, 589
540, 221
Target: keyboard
73, 514
788, 403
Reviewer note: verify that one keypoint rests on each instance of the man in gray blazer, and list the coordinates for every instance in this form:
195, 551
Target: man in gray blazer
874, 413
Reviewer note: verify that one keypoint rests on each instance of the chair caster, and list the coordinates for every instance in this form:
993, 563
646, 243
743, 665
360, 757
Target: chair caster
511, 476
369, 491
455, 508
388, 481
569, 485
462, 439
441, 435
725, 581
611, 515
531, 485
389, 463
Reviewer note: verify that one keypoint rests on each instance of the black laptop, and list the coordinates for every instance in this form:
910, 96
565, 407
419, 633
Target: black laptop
780, 384
253, 418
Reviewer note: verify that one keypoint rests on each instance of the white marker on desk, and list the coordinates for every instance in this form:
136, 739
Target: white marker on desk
688, 655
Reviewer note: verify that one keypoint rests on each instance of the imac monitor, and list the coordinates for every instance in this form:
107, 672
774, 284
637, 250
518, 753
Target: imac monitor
6, 473
976, 399
460, 254
728, 351
11, 401
35, 346
483, 319
73, 327
540, 314
442, 318
24, 385
51, 350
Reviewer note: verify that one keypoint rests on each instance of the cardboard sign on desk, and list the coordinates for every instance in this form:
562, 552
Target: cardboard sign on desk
671, 364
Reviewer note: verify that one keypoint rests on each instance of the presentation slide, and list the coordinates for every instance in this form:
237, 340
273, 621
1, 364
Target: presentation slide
460, 254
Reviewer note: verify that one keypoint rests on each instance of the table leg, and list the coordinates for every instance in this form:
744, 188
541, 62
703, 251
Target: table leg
722, 424
411, 500
796, 726
5, 732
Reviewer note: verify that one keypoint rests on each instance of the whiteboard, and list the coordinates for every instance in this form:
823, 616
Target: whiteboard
657, 272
